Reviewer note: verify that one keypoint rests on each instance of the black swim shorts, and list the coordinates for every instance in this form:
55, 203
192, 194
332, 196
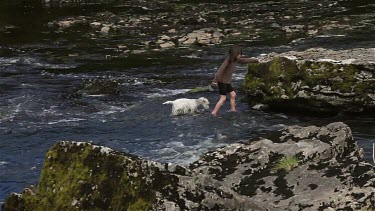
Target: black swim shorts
225, 88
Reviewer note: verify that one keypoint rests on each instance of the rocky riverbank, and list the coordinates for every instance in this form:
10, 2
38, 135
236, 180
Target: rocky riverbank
164, 24
299, 168
138, 27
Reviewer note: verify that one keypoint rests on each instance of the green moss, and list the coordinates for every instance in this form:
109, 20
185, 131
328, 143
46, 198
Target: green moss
139, 205
252, 84
317, 73
268, 82
100, 86
201, 89
266, 77
286, 164
339, 77
81, 177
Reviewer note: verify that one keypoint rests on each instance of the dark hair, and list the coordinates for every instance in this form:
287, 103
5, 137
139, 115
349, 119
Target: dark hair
234, 51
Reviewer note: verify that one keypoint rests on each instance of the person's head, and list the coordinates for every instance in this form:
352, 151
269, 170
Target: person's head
234, 53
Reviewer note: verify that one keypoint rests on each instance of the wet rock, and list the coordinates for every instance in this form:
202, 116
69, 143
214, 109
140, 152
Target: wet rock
99, 87
167, 44
106, 29
149, 43
204, 36
202, 89
66, 24
71, 22
172, 31
96, 25
293, 28
187, 40
164, 42
138, 51
260, 107
312, 32
240, 176
319, 86
122, 46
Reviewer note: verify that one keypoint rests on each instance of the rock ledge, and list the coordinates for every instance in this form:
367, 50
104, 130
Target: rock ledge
329, 175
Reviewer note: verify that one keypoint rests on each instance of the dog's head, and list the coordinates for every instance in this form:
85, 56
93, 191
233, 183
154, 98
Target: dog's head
204, 102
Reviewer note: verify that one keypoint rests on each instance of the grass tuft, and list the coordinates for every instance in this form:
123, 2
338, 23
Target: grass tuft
286, 164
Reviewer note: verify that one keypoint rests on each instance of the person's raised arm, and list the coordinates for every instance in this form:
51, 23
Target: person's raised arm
248, 60
221, 69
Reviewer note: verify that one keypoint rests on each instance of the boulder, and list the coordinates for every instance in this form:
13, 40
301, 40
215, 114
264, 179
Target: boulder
96, 25
259, 107
202, 89
105, 29
99, 87
167, 44
66, 23
298, 168
311, 86
69, 22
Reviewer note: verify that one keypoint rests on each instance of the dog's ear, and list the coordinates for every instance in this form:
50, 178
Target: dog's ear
203, 100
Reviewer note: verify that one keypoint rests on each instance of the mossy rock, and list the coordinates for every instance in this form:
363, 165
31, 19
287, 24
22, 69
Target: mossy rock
80, 176
265, 75
100, 87
201, 89
330, 87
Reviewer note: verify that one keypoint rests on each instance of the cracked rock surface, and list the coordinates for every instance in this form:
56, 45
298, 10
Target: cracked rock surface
330, 175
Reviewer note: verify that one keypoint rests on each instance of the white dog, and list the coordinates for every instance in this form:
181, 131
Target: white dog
184, 105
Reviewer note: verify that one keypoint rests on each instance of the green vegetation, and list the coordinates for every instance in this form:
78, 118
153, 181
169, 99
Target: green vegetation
266, 77
82, 177
200, 89
280, 80
286, 164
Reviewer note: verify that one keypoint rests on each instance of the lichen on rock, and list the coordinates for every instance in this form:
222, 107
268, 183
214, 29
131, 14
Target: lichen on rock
311, 86
330, 174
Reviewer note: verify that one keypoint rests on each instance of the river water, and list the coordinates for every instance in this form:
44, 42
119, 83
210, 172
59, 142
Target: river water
41, 102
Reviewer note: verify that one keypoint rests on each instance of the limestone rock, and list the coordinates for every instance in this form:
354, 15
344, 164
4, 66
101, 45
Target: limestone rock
96, 25
260, 107
98, 87
204, 36
329, 173
105, 29
311, 86
167, 44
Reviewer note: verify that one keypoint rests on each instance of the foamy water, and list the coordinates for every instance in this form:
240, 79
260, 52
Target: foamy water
166, 92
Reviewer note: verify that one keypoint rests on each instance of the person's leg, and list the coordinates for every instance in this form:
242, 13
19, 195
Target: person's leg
219, 104
233, 101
